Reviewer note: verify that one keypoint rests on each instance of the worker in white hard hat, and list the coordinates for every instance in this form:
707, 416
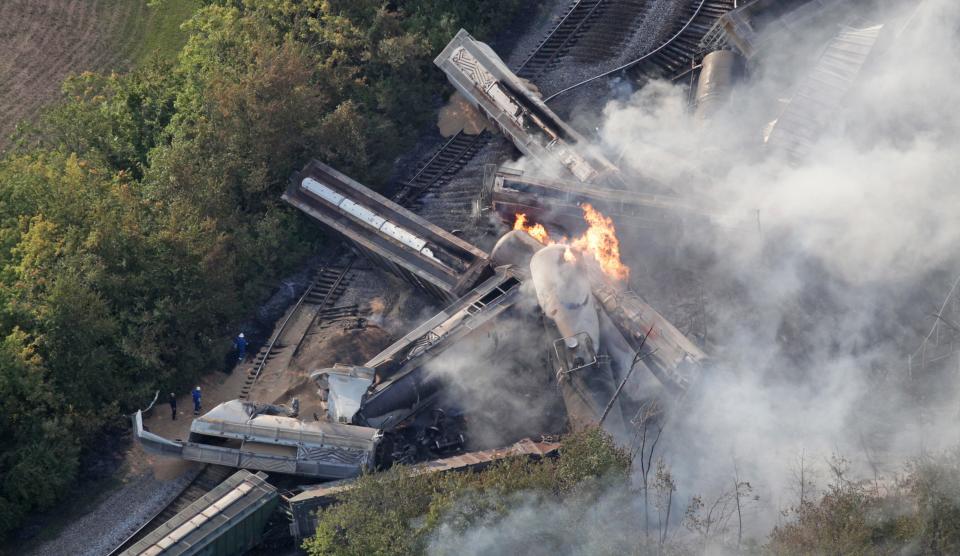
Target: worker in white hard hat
240, 344
196, 401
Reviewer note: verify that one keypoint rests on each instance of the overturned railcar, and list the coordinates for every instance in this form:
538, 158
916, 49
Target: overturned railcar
236, 433
482, 77
404, 385
559, 202
229, 519
664, 349
389, 235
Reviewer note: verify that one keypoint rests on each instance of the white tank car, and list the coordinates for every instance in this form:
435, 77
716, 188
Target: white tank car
563, 292
368, 217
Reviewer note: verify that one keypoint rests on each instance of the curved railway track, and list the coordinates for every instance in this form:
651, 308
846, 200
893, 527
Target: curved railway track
677, 53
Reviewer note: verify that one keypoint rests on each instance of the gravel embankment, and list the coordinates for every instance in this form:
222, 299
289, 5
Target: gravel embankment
119, 515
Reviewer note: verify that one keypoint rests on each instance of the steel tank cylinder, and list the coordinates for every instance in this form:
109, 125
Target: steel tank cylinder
719, 72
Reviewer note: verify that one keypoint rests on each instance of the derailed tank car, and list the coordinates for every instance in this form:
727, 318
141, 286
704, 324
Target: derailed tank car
391, 236
482, 77
559, 202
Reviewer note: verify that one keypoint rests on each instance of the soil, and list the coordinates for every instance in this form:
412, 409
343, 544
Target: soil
45, 40
459, 115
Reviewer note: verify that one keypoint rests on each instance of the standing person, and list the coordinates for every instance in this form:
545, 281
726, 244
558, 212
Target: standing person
173, 405
196, 401
240, 343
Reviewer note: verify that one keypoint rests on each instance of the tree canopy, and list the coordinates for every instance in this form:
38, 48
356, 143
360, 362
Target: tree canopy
140, 217
400, 512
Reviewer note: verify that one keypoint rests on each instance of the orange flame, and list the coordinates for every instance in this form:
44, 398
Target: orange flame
537, 231
599, 241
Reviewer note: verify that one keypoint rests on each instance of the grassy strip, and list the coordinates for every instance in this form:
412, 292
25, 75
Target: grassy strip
163, 36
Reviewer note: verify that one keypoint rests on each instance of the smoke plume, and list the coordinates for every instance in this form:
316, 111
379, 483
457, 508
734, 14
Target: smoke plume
809, 306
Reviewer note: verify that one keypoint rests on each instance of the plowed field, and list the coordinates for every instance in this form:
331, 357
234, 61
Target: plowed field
41, 41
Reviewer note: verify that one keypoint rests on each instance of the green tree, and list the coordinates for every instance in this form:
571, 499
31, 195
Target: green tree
396, 512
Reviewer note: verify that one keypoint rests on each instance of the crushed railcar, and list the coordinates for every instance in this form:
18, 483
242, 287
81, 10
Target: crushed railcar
391, 236
482, 77
404, 386
303, 506
242, 434
229, 519
558, 202
669, 355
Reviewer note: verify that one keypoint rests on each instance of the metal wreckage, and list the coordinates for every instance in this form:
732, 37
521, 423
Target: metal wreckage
609, 353
374, 407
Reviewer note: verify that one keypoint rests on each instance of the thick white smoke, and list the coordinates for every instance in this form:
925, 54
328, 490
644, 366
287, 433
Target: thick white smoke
806, 314
811, 316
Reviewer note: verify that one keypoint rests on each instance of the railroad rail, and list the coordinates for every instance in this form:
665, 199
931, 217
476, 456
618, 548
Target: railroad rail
206, 480
678, 53
560, 39
453, 155
333, 285
442, 165
324, 290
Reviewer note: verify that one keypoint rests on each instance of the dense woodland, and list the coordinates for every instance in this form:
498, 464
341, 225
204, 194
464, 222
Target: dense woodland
140, 217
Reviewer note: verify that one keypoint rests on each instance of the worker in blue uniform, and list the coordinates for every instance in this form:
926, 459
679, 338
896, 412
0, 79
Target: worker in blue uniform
240, 343
196, 401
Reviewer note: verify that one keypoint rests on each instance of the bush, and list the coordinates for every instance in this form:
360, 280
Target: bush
919, 514
396, 512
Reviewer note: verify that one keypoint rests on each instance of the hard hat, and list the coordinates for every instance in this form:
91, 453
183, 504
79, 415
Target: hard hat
241, 334
198, 388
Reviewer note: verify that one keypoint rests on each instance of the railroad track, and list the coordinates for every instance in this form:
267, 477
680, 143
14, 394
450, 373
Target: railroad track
441, 166
678, 54
683, 50
558, 42
323, 292
206, 480
321, 295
